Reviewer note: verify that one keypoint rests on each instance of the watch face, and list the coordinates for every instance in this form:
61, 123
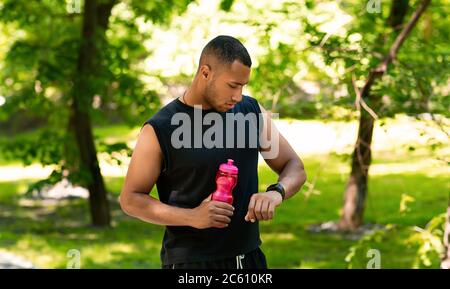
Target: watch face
277, 187
280, 187
282, 192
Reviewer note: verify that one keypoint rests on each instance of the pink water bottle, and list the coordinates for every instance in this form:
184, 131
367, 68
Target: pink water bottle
226, 180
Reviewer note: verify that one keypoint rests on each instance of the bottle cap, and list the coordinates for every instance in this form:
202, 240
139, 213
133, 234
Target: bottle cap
229, 167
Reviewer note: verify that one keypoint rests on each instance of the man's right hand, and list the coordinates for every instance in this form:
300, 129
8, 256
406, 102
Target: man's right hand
211, 214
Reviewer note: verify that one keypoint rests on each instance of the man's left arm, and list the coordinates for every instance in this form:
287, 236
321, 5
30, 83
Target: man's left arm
286, 164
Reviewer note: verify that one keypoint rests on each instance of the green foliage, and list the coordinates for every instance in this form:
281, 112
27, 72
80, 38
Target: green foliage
405, 199
39, 71
416, 82
429, 242
115, 152
159, 11
358, 253
426, 243
43, 147
226, 5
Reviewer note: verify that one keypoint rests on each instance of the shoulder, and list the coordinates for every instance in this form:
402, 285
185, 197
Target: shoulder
163, 116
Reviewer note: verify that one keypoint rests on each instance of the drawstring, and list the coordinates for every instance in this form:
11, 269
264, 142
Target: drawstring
239, 261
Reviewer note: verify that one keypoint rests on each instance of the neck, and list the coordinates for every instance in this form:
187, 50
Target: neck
193, 97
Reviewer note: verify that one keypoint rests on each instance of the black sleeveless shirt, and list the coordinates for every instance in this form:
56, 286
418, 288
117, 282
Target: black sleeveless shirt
188, 177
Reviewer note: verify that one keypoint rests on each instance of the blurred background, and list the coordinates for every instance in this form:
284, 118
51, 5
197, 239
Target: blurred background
361, 88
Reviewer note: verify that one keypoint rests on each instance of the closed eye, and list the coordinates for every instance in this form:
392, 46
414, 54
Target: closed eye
232, 86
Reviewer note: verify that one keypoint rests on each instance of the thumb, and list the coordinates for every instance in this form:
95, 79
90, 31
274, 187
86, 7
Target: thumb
248, 218
208, 198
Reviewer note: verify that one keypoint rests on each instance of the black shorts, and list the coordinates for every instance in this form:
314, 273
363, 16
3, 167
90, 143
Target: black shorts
252, 260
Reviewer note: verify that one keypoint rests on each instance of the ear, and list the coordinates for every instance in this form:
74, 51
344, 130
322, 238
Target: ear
205, 71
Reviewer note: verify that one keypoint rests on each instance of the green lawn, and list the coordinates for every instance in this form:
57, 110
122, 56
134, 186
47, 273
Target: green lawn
44, 233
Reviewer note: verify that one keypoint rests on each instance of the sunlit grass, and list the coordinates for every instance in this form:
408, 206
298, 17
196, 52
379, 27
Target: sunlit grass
44, 236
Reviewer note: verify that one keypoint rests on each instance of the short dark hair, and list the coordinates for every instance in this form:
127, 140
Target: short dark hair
227, 49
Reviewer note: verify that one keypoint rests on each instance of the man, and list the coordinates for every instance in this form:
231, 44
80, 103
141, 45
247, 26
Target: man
183, 162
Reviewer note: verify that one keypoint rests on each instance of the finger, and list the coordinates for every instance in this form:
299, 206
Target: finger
221, 219
223, 205
220, 225
223, 212
258, 209
251, 209
265, 210
271, 210
247, 217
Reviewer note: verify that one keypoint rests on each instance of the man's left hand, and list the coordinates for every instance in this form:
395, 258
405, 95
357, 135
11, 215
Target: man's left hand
262, 206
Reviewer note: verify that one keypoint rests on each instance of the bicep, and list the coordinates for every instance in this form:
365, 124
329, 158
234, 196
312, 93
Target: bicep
271, 135
145, 164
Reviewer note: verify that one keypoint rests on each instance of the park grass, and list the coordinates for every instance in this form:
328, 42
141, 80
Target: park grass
45, 232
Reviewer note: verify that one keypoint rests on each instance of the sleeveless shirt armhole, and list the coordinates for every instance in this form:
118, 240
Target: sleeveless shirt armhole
255, 105
160, 141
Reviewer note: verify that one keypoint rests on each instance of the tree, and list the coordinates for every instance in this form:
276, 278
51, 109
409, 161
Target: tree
356, 190
55, 73
413, 85
95, 22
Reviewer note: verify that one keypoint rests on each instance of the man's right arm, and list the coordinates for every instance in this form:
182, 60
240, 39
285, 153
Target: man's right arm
143, 171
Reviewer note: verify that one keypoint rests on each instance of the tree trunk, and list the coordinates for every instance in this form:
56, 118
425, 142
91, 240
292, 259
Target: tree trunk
445, 264
95, 21
356, 189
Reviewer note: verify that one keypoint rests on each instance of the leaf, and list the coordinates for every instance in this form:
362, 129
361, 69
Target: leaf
225, 5
405, 199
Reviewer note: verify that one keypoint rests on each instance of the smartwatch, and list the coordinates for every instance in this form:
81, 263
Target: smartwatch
278, 188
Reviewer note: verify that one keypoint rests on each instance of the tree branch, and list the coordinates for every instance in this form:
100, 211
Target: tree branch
359, 101
379, 71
